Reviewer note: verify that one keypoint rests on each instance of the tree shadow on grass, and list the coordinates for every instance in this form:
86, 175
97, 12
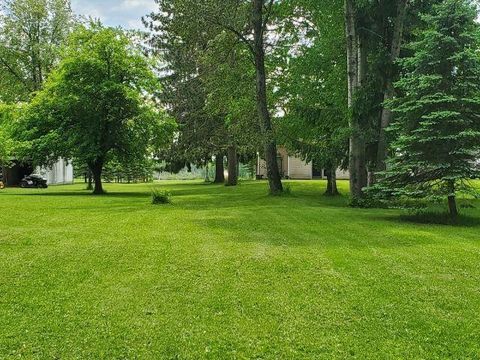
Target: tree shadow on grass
431, 218
82, 193
242, 228
202, 198
462, 220
205, 196
191, 188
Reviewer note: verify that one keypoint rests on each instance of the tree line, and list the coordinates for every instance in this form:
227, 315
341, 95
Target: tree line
387, 89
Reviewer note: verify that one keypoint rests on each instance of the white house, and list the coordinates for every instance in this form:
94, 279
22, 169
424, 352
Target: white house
60, 173
292, 167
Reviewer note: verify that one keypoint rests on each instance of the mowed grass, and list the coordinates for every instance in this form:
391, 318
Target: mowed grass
225, 273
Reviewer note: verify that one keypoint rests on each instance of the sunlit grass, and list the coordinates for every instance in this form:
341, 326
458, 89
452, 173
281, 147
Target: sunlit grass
231, 273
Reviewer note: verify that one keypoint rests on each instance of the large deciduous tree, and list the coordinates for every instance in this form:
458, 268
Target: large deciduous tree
437, 121
374, 32
248, 21
260, 22
95, 105
232, 98
31, 32
393, 55
311, 85
356, 62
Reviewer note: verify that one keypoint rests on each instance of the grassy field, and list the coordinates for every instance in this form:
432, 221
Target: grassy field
231, 273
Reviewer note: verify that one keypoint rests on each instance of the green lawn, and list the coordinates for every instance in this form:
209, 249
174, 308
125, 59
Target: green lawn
231, 273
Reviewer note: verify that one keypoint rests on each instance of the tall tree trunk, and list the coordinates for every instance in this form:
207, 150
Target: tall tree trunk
352, 50
219, 169
452, 207
270, 146
96, 168
232, 179
452, 201
207, 175
386, 117
356, 67
89, 180
371, 177
332, 189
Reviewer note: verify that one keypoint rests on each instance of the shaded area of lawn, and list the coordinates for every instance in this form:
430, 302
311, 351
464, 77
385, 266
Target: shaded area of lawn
231, 273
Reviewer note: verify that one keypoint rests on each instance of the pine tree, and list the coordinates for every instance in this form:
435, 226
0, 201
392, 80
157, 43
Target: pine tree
437, 112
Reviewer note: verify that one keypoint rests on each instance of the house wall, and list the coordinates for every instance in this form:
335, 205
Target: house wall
291, 167
282, 159
343, 175
261, 168
60, 173
294, 168
299, 169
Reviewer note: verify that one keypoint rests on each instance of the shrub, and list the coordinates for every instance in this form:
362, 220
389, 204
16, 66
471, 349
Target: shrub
366, 203
161, 197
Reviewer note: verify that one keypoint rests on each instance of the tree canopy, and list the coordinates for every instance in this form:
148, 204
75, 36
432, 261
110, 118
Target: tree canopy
96, 105
31, 34
333, 82
7, 122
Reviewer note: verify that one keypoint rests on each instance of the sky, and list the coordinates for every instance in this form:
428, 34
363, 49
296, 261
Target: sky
125, 13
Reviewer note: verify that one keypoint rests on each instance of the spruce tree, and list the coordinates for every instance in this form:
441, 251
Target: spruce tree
437, 112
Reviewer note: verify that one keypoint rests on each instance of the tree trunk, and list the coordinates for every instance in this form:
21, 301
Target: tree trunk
385, 121
452, 201
371, 177
270, 146
207, 176
232, 179
358, 163
219, 169
332, 189
352, 50
356, 66
96, 168
452, 207
89, 180
386, 118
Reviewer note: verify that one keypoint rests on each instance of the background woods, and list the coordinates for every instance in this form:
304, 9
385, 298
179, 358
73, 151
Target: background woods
244, 81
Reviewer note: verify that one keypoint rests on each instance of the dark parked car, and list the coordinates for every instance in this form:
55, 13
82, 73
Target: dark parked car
33, 181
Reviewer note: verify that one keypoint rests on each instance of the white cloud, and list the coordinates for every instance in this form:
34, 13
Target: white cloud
145, 5
89, 9
135, 24
125, 13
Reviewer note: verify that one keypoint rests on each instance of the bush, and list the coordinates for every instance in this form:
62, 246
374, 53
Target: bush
161, 197
375, 202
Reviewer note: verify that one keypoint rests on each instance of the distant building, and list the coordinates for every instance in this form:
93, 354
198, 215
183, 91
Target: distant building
292, 167
59, 174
